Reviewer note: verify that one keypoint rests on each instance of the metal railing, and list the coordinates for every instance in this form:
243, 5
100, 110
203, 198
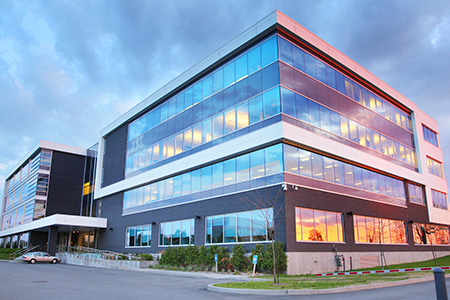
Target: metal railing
105, 254
20, 252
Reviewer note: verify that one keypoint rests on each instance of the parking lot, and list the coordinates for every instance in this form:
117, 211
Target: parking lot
61, 281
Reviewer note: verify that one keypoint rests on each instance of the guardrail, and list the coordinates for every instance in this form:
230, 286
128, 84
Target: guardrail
106, 254
23, 251
383, 271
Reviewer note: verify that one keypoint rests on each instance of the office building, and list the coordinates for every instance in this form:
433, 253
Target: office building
276, 125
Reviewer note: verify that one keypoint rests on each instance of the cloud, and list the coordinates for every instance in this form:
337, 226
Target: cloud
69, 68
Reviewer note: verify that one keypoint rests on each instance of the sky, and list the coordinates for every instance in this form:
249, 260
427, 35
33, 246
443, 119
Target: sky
70, 68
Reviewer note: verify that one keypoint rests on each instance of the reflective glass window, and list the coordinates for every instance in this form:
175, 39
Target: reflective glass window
318, 225
242, 115
206, 178
243, 167
230, 121
257, 164
207, 131
217, 175
229, 168
230, 228
197, 135
196, 180
273, 159
255, 108
269, 51
244, 226
217, 126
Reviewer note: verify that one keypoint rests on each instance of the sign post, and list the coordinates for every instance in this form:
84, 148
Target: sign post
255, 260
216, 259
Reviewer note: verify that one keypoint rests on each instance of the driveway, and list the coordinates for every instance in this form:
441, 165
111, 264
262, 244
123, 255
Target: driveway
46, 281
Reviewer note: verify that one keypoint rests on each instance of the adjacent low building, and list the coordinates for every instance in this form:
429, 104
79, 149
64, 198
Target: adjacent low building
276, 133
48, 199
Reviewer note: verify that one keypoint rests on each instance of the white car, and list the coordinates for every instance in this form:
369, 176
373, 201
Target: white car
34, 257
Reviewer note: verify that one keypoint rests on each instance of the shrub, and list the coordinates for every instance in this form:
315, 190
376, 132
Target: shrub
258, 250
202, 258
267, 262
222, 256
145, 256
238, 260
8, 250
265, 254
190, 255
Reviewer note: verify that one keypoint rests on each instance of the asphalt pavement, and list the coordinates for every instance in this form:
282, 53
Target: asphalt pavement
66, 282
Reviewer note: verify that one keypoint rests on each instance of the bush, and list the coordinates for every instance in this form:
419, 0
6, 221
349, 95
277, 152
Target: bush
238, 260
222, 255
267, 262
258, 250
146, 256
8, 250
202, 259
172, 256
190, 255
265, 257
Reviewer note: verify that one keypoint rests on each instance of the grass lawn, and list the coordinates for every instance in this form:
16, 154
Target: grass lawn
328, 282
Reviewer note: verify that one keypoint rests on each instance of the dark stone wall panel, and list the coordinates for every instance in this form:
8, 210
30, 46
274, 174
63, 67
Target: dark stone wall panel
115, 155
66, 184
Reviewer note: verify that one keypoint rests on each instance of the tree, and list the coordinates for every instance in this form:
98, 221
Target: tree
269, 207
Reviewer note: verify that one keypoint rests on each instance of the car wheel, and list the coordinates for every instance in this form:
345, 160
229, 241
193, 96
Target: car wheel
32, 261
54, 261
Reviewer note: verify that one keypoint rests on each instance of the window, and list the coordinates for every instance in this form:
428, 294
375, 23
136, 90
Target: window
241, 67
430, 234
139, 236
315, 114
439, 199
237, 117
257, 164
434, 167
430, 136
247, 226
304, 62
316, 166
379, 231
177, 233
318, 225
415, 194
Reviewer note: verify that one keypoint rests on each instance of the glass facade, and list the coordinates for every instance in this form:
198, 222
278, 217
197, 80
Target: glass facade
318, 225
139, 236
254, 165
20, 205
313, 113
379, 231
177, 233
415, 194
430, 136
237, 69
242, 78
434, 167
306, 63
439, 199
244, 92
248, 226
313, 165
234, 118
262, 164
430, 234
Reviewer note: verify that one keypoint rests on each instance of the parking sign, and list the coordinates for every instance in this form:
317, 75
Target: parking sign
255, 259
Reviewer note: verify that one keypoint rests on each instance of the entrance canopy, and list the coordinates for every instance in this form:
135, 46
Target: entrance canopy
63, 222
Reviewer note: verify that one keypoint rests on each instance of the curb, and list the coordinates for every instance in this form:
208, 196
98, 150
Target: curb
355, 288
